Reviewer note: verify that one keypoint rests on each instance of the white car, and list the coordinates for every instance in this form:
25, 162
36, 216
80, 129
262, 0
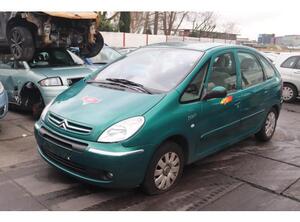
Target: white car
288, 64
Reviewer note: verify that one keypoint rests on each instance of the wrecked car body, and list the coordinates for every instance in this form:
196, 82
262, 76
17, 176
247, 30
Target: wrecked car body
25, 32
33, 84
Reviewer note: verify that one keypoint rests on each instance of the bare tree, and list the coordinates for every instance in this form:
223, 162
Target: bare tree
137, 21
230, 27
203, 21
171, 20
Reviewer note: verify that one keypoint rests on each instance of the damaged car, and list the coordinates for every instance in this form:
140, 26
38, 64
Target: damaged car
23, 33
3, 101
32, 85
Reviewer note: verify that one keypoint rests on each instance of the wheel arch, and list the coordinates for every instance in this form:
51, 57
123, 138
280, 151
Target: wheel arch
182, 142
29, 86
290, 83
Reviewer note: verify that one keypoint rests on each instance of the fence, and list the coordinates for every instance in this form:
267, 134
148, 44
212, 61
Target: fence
125, 40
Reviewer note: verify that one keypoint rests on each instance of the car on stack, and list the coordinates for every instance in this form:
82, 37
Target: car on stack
24, 33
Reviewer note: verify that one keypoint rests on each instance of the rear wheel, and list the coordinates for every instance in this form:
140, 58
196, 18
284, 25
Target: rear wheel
165, 169
268, 128
289, 92
21, 43
92, 50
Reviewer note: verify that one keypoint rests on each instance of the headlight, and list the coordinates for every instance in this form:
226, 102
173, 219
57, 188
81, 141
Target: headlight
53, 81
1, 88
122, 130
45, 111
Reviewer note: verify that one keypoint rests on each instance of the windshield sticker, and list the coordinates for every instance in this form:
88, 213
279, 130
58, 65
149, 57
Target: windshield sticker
90, 100
226, 100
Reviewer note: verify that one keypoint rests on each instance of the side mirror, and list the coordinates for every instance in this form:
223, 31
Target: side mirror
216, 92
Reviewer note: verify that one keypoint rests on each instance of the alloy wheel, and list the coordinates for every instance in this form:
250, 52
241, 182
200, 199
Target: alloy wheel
287, 93
270, 124
17, 43
166, 170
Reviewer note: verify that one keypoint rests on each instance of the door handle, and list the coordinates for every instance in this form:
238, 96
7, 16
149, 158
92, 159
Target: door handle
297, 72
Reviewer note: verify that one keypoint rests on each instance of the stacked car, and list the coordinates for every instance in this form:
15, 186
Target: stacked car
3, 101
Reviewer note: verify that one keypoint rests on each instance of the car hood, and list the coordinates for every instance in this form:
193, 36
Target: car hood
65, 72
99, 108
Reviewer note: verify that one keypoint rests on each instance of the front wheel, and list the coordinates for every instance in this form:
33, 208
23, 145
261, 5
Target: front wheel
92, 50
268, 128
165, 169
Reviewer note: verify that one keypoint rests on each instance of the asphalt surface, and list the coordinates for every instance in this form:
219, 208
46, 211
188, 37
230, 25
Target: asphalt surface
247, 176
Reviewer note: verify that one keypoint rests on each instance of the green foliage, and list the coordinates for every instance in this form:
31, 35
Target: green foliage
124, 23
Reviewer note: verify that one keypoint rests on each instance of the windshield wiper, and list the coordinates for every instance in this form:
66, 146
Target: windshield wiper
130, 83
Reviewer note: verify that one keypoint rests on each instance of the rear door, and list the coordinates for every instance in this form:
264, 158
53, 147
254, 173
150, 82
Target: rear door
253, 106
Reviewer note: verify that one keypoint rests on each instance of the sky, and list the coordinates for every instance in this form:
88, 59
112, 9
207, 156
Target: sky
252, 16
250, 23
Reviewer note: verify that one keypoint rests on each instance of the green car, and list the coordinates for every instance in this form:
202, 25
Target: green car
32, 85
141, 119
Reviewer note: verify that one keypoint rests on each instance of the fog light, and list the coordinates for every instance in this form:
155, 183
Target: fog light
109, 175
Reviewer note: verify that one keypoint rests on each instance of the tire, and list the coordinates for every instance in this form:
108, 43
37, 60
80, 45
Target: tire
171, 172
21, 43
93, 49
269, 126
289, 93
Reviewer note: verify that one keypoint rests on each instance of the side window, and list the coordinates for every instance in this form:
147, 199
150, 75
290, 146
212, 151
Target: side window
269, 70
193, 91
251, 71
223, 73
290, 62
298, 64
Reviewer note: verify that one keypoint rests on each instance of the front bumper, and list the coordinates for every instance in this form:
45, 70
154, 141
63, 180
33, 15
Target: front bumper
3, 104
107, 165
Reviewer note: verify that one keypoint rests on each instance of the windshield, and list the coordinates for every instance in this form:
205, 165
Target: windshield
54, 58
160, 69
106, 55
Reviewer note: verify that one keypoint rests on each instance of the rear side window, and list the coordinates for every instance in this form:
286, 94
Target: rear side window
290, 62
251, 71
269, 70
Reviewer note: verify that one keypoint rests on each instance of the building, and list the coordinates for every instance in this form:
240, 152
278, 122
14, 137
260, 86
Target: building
292, 41
204, 34
266, 39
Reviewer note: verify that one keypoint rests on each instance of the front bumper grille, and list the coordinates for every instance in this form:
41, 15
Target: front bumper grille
63, 153
68, 125
62, 141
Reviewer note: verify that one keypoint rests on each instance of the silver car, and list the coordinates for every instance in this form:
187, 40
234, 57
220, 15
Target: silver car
288, 64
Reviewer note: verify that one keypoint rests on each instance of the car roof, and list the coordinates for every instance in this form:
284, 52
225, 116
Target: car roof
199, 46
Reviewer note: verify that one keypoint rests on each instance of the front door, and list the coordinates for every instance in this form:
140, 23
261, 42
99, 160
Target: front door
219, 119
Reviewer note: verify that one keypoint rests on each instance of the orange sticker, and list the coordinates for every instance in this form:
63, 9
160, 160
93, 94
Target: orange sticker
226, 100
